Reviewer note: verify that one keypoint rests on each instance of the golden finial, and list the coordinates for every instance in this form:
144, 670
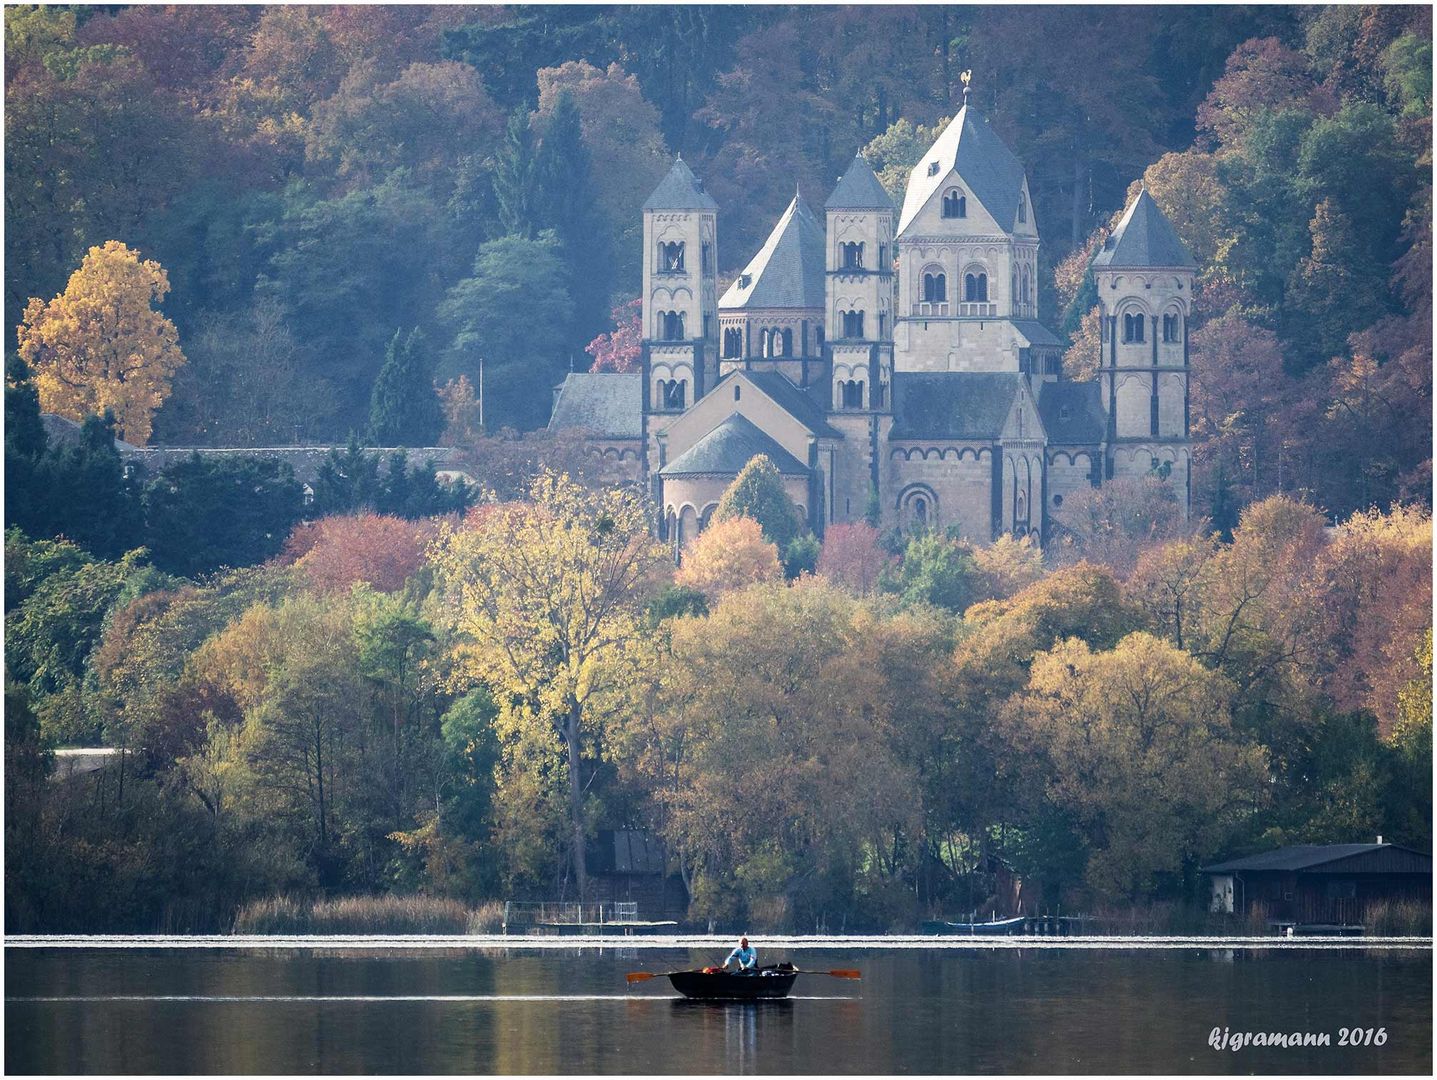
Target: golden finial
966, 77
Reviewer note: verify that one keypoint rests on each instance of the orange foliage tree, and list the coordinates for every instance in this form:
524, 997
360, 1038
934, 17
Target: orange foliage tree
851, 557
729, 555
338, 552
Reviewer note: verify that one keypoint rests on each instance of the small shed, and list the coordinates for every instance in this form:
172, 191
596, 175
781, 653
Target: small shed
1320, 883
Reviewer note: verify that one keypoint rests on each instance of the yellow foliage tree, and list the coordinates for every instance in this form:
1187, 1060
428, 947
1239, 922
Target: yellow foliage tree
547, 599
729, 555
101, 344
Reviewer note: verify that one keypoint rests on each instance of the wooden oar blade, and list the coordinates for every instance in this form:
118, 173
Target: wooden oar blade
640, 976
846, 973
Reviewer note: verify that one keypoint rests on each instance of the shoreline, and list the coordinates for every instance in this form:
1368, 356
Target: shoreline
693, 941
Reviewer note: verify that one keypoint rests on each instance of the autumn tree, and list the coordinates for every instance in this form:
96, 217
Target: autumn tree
101, 345
1136, 745
335, 553
1113, 523
851, 558
757, 493
547, 597
619, 349
729, 554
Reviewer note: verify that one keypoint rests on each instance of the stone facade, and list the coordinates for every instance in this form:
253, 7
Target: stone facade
894, 359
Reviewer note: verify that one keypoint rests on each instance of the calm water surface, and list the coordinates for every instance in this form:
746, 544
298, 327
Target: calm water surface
512, 1011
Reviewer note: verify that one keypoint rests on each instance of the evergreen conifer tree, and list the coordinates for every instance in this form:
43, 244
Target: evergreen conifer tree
404, 408
757, 493
565, 194
26, 491
515, 190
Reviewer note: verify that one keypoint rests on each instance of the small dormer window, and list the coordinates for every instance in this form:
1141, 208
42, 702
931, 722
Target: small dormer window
933, 168
1063, 413
744, 280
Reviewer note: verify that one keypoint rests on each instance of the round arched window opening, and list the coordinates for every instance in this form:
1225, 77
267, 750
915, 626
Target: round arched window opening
920, 510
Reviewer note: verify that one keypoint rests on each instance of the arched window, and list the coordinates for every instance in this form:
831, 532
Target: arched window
671, 256
852, 256
732, 342
1172, 328
819, 332
1015, 294
850, 394
787, 343
975, 288
673, 326
920, 510
853, 324
955, 205
935, 288
764, 343
1133, 329
1022, 207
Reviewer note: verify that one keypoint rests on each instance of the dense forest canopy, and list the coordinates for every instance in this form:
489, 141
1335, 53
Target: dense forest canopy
316, 180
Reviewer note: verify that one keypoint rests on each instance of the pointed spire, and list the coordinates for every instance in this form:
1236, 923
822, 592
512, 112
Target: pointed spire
1144, 238
680, 190
859, 189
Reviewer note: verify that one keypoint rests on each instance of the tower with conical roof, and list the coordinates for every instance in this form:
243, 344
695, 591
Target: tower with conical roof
1144, 276
680, 291
968, 258
771, 317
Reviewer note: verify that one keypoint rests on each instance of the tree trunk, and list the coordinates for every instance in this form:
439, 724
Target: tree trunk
576, 801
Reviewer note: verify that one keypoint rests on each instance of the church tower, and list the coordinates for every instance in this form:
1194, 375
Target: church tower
859, 298
679, 356
1145, 276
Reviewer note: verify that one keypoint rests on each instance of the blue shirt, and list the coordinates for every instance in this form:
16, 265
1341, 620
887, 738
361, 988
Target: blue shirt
746, 958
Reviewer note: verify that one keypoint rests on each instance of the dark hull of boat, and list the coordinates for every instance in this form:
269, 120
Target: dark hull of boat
724, 986
1000, 928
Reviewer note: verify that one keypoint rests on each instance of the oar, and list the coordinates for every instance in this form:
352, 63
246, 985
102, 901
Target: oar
642, 976
839, 973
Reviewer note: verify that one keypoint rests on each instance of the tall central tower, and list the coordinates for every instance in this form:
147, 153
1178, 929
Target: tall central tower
968, 256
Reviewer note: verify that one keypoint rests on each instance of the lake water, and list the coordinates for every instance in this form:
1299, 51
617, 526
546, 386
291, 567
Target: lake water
567, 1010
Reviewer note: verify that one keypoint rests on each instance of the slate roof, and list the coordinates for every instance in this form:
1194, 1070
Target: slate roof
809, 411
1036, 332
728, 448
1144, 237
680, 190
1313, 857
62, 431
986, 166
607, 404
788, 271
952, 404
1072, 412
859, 189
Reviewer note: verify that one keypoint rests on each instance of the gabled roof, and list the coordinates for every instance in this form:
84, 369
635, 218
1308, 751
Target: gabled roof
788, 271
607, 404
728, 448
952, 404
1072, 412
985, 165
1315, 857
1144, 237
859, 189
798, 403
680, 190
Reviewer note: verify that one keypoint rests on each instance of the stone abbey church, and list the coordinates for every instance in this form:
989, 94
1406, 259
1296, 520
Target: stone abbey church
893, 358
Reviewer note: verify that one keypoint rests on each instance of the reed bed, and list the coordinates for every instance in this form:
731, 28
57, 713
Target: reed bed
1398, 918
361, 915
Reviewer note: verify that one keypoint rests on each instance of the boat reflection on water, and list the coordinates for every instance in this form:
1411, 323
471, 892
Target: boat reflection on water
738, 1027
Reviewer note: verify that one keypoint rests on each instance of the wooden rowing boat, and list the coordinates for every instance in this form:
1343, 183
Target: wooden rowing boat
765, 984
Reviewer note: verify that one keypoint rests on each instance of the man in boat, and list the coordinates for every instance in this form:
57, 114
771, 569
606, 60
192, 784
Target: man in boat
744, 956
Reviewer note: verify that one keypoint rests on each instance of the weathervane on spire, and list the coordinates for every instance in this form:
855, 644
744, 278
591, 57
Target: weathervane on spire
966, 77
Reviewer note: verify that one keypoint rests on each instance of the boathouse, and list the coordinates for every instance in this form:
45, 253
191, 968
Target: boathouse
1330, 884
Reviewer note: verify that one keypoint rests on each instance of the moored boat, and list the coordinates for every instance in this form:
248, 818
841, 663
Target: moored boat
766, 984
995, 928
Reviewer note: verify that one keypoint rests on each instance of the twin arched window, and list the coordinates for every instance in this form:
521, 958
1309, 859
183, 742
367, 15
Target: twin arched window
850, 394
672, 393
732, 342
935, 288
671, 256
1133, 328
851, 256
955, 205
852, 324
1172, 328
671, 326
975, 288
775, 342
